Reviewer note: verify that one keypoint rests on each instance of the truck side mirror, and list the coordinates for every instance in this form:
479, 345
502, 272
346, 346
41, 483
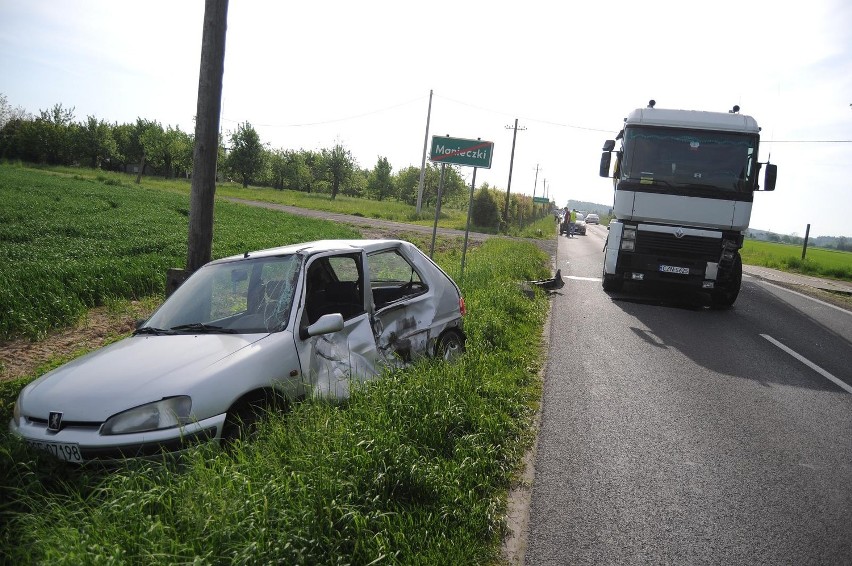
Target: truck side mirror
770, 175
609, 145
606, 157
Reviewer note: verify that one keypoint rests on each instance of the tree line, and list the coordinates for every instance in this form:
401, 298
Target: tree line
54, 137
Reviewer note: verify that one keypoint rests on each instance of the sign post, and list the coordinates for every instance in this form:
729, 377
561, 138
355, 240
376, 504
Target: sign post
460, 151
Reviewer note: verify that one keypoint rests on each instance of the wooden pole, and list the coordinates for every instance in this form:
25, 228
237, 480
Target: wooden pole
207, 134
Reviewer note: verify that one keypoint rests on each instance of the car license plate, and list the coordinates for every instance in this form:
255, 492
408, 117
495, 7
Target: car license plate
70, 452
674, 269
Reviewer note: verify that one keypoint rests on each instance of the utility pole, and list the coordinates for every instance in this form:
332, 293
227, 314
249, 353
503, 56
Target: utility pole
206, 134
423, 162
511, 164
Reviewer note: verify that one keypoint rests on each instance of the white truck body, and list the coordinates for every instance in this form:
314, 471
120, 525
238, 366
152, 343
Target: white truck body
684, 182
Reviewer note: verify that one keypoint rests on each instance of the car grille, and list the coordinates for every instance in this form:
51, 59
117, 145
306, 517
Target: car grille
659, 243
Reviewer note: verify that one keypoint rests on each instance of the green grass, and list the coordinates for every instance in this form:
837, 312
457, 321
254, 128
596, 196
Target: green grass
71, 243
414, 469
818, 262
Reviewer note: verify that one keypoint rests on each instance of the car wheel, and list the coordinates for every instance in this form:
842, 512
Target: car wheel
450, 345
245, 415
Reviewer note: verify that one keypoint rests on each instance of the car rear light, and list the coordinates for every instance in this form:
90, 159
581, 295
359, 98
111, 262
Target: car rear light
462, 308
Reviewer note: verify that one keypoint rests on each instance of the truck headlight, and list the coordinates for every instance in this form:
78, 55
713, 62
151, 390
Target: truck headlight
166, 413
628, 245
628, 234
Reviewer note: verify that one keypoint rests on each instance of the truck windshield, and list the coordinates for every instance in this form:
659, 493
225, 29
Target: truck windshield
698, 162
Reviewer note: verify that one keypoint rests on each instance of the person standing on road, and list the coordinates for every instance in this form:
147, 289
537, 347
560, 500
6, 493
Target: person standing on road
572, 222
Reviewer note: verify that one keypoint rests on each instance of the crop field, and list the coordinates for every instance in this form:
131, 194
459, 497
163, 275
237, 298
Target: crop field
68, 244
818, 262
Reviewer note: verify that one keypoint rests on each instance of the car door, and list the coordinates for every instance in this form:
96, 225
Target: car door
335, 283
404, 305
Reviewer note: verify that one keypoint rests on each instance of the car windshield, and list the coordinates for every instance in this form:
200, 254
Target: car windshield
689, 159
242, 296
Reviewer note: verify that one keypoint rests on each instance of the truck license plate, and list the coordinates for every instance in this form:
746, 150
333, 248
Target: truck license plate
674, 269
62, 450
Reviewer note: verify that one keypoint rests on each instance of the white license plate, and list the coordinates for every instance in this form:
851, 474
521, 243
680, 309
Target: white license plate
70, 452
674, 269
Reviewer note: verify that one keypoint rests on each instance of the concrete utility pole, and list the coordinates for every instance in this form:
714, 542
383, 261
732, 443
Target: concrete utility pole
423, 162
511, 164
206, 134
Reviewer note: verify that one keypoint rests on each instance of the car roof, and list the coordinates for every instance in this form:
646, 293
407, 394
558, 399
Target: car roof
321, 246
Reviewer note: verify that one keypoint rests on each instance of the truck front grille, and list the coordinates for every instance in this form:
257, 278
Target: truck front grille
667, 245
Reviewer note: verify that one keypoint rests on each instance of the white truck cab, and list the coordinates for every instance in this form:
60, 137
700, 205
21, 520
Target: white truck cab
684, 184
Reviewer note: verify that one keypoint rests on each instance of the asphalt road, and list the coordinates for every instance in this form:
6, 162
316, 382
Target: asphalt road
675, 434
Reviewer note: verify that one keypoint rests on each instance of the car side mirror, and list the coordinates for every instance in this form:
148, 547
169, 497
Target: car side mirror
326, 324
769, 177
606, 157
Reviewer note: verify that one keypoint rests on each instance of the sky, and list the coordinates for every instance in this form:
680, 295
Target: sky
309, 75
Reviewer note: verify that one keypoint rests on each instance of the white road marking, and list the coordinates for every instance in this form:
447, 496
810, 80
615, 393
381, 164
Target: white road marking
835, 307
845, 386
598, 279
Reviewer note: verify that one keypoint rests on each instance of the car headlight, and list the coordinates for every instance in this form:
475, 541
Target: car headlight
167, 413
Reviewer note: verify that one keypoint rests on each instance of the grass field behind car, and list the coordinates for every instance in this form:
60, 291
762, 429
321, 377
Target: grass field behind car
68, 244
415, 468
818, 262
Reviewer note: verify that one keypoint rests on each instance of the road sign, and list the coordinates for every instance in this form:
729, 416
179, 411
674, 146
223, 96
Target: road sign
541, 200
457, 151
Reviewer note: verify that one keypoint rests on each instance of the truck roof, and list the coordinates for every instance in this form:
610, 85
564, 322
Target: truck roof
699, 119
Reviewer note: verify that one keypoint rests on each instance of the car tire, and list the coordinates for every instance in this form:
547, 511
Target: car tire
450, 345
245, 415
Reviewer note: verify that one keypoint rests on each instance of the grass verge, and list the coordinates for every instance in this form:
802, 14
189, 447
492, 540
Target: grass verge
413, 470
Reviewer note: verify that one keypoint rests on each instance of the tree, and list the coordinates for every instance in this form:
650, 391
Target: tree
152, 140
246, 158
484, 210
407, 181
339, 166
95, 142
380, 182
8, 113
177, 151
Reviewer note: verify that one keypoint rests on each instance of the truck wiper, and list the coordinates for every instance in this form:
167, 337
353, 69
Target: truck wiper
151, 330
200, 328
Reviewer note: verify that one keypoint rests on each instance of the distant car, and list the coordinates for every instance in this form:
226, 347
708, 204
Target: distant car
592, 218
242, 334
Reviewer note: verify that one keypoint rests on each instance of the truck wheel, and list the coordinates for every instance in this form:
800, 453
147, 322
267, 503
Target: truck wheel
611, 283
725, 297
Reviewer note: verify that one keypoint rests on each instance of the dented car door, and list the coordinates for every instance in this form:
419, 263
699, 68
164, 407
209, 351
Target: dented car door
404, 306
335, 283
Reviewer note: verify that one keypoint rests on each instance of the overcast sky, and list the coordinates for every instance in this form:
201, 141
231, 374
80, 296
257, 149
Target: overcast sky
310, 74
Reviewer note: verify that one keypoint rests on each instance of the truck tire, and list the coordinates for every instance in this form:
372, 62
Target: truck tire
725, 296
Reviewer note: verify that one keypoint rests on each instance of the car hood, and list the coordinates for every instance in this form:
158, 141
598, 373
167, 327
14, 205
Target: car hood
128, 373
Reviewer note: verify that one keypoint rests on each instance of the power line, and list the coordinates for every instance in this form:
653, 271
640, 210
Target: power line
355, 117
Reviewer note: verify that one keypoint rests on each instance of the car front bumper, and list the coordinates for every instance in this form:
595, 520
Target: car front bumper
81, 444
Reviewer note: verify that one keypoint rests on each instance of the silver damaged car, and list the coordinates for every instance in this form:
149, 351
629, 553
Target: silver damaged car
241, 334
